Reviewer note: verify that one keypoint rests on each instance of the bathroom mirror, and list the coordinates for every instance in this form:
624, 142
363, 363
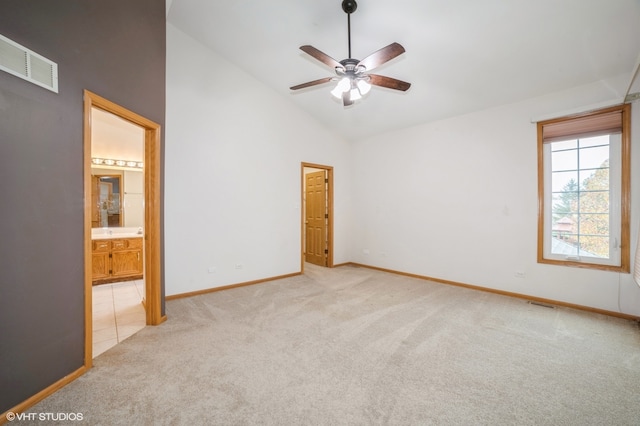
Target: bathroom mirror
117, 198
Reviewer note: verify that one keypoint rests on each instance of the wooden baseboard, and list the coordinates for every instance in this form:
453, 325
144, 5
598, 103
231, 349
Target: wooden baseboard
504, 293
25, 405
422, 277
227, 287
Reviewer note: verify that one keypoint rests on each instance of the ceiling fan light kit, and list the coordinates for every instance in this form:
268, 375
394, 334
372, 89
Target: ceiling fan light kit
351, 74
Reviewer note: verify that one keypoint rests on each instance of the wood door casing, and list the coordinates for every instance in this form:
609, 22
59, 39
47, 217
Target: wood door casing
316, 218
152, 249
95, 201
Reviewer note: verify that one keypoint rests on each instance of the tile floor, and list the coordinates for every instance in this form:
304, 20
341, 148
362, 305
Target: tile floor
117, 313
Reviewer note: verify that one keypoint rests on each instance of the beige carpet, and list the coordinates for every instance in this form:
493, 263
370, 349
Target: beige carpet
356, 346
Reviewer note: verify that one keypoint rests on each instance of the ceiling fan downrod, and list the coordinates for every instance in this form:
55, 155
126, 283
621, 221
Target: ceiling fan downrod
349, 6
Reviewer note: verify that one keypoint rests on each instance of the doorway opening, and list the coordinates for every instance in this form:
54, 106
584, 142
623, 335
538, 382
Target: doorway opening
317, 215
141, 254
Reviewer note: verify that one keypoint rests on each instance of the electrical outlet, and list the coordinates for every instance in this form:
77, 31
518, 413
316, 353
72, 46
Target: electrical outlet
239, 266
211, 269
365, 251
519, 274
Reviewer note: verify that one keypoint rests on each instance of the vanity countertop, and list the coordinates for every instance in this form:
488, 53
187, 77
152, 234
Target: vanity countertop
116, 232
115, 236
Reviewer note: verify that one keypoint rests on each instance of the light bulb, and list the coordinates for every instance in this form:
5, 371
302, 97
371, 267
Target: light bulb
343, 86
364, 87
355, 95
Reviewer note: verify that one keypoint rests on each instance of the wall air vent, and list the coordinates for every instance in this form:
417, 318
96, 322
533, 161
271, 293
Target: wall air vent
28, 65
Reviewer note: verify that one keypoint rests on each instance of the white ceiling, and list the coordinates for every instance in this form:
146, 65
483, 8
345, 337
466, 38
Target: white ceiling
115, 138
461, 56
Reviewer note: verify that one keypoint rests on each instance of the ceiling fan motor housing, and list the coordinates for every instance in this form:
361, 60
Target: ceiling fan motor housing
350, 65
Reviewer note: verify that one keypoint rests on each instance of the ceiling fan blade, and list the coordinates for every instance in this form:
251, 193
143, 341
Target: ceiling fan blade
381, 56
321, 56
311, 83
391, 83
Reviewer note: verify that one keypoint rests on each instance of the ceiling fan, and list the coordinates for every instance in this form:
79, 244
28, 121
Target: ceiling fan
352, 74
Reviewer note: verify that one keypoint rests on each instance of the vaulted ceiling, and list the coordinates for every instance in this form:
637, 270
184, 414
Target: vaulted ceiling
461, 56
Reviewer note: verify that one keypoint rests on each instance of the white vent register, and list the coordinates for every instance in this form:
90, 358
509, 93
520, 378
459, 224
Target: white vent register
28, 65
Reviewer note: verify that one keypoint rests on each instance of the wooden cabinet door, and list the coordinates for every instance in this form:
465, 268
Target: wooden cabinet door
126, 262
126, 257
117, 258
100, 266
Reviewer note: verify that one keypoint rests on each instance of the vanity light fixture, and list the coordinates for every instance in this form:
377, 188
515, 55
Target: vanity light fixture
120, 163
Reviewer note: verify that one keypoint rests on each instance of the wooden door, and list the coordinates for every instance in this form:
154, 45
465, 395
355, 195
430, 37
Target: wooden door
316, 218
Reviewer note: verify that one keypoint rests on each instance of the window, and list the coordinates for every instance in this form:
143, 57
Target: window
584, 190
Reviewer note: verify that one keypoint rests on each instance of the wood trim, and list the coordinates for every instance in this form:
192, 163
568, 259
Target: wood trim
541, 258
329, 170
152, 169
503, 293
625, 213
26, 404
228, 287
88, 285
625, 228
152, 251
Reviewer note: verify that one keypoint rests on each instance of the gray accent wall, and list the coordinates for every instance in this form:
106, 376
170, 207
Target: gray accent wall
116, 49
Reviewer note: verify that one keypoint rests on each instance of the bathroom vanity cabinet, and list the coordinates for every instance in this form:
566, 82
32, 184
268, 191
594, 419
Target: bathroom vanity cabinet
116, 259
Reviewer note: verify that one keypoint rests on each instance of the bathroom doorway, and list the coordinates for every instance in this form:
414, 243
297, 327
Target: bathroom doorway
138, 165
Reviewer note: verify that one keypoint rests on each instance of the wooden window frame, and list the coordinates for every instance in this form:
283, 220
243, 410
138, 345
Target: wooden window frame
570, 124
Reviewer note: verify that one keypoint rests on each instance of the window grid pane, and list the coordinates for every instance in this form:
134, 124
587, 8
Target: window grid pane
580, 197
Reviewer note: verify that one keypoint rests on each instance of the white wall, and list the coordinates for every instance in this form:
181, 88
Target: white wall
133, 199
457, 200
233, 158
